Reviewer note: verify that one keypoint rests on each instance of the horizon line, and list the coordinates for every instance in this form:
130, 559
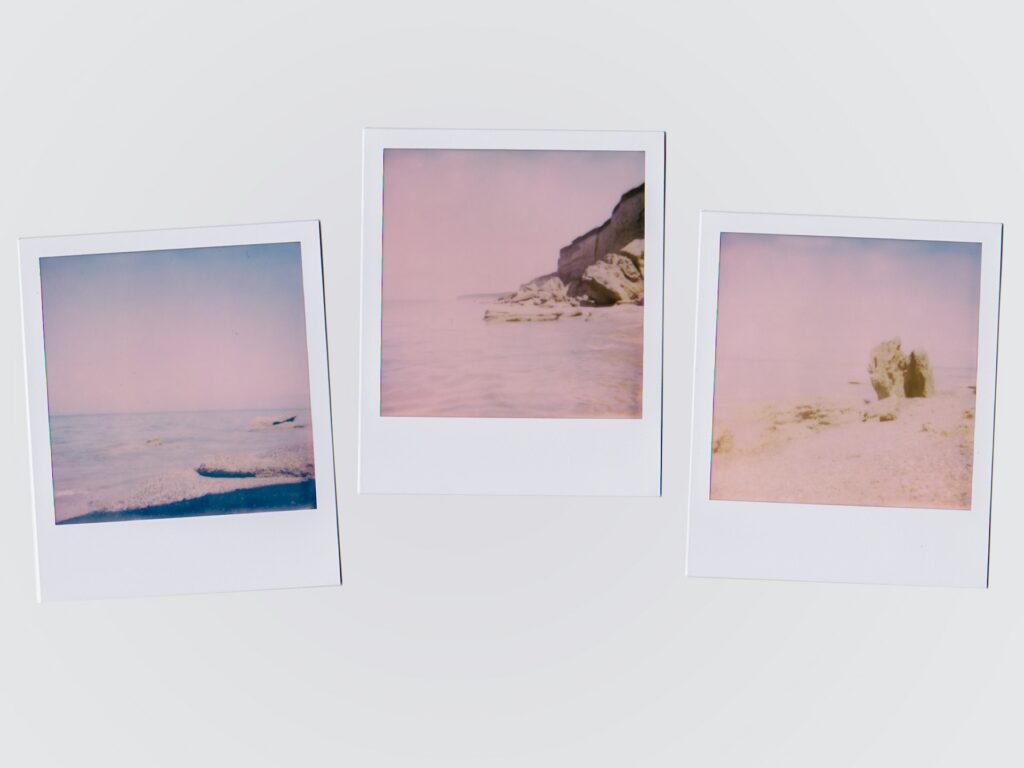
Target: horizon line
182, 410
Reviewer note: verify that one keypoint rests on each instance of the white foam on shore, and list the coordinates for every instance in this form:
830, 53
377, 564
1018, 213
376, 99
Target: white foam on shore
157, 478
282, 463
181, 485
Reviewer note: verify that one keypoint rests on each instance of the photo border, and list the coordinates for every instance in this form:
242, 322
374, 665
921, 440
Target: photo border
510, 456
214, 553
841, 543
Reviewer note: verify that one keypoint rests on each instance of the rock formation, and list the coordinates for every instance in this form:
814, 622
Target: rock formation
612, 280
886, 368
603, 267
894, 374
541, 291
918, 379
625, 225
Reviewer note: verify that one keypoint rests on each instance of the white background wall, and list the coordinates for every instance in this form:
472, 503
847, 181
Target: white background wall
505, 631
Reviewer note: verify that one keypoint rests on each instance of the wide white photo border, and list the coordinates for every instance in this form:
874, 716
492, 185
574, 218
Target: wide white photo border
523, 456
836, 543
216, 553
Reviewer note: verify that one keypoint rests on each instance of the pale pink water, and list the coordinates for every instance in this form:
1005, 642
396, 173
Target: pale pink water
440, 358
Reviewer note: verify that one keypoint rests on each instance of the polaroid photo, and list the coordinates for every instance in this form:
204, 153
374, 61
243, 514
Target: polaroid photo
844, 399
512, 312
179, 411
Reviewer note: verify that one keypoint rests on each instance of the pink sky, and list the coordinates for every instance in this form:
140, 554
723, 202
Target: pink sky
175, 330
833, 299
486, 221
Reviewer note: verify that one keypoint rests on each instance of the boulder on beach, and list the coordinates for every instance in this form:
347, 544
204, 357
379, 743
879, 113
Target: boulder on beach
887, 369
634, 250
894, 374
918, 379
614, 279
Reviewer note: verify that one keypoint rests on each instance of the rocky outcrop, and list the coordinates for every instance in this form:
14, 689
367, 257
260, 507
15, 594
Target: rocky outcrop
613, 280
918, 379
894, 374
634, 251
541, 291
625, 225
886, 368
542, 299
603, 267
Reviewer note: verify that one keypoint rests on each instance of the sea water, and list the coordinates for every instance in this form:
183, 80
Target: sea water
104, 462
441, 358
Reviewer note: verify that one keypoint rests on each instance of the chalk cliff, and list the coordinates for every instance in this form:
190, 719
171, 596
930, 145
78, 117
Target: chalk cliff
625, 225
602, 267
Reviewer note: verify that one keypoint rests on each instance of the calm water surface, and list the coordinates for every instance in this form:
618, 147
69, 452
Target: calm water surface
440, 358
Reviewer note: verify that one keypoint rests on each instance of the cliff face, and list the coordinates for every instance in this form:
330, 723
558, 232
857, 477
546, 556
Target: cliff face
605, 266
625, 225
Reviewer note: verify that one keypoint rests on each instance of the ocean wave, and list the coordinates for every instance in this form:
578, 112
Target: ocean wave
263, 498
296, 463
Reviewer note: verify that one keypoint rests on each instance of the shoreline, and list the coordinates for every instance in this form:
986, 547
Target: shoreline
264, 498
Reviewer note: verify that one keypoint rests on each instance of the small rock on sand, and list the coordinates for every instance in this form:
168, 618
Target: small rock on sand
881, 412
722, 443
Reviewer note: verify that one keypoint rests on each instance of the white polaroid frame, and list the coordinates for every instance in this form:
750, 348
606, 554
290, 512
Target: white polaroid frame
522, 456
261, 550
812, 542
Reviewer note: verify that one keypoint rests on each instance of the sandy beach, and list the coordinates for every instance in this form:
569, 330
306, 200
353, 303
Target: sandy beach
845, 371
848, 448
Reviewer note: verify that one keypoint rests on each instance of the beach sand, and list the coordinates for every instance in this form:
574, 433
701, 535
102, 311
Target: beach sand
848, 449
